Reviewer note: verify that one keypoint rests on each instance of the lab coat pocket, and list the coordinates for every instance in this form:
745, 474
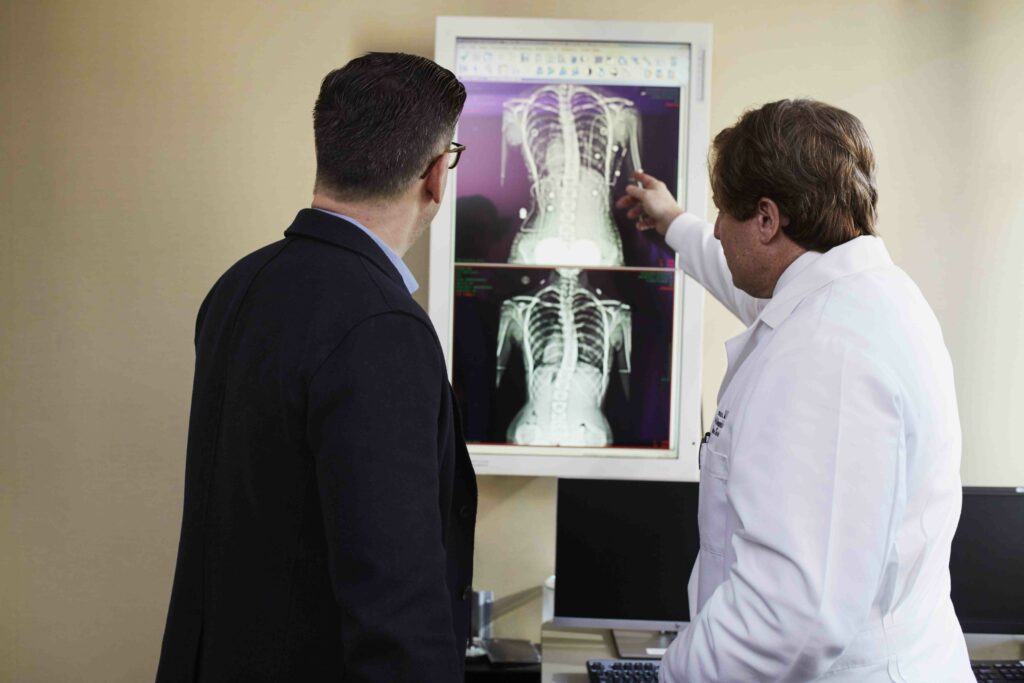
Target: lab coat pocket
712, 507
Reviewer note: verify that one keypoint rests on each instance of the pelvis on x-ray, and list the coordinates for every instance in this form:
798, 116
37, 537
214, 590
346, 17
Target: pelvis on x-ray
573, 141
571, 340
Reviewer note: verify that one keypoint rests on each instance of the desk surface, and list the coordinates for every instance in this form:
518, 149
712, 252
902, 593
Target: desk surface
566, 651
479, 670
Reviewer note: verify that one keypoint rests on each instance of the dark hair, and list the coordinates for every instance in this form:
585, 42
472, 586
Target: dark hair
378, 122
813, 160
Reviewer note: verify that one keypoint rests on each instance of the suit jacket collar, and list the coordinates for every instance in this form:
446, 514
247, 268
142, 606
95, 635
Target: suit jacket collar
856, 256
324, 227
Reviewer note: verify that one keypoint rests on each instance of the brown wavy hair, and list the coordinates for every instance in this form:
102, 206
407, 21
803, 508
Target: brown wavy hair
814, 160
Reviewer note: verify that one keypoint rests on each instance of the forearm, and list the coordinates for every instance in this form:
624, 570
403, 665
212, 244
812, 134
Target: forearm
702, 258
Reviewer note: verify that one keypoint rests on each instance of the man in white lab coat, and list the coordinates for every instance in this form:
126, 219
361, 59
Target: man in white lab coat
830, 485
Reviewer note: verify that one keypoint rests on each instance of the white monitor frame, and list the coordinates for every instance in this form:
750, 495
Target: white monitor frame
686, 432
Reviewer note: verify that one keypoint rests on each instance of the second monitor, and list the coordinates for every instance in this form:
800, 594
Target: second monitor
623, 555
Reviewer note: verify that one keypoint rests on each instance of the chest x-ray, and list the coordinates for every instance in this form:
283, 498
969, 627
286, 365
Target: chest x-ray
547, 163
555, 357
571, 340
535, 212
573, 142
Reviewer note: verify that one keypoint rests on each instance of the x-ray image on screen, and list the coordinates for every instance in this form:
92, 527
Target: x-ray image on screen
547, 164
564, 357
572, 338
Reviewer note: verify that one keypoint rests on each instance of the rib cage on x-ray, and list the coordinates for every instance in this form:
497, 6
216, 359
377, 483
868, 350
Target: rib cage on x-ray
573, 140
570, 339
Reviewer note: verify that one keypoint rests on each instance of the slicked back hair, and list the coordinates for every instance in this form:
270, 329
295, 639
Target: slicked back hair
378, 122
814, 160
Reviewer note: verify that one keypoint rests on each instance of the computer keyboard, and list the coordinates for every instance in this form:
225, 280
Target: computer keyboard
997, 671
646, 671
623, 670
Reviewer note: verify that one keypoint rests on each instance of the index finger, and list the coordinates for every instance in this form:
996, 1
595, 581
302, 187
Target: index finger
625, 201
646, 180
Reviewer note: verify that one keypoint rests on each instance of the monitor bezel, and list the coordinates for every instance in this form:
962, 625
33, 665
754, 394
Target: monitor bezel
678, 463
993, 626
614, 623
967, 625
619, 624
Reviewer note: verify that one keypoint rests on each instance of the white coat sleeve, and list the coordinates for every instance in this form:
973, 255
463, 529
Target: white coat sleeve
815, 478
702, 258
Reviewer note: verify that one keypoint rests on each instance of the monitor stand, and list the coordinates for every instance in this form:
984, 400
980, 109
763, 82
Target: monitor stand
642, 644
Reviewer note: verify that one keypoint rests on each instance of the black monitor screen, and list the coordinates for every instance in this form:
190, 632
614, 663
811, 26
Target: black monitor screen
987, 561
624, 549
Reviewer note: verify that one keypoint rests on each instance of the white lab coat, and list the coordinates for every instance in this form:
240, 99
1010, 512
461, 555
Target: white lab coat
830, 482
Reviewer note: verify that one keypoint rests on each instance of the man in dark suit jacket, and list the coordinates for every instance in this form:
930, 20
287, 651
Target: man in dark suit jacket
329, 498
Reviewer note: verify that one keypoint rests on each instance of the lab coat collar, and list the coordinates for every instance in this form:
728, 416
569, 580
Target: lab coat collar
856, 256
809, 273
795, 268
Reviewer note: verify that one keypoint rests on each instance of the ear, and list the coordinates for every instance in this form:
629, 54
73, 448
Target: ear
437, 178
770, 220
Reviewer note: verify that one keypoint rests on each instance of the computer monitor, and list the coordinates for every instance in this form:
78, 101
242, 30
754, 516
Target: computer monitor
573, 339
986, 564
623, 554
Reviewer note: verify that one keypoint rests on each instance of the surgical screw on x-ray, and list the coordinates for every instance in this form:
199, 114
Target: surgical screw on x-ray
573, 140
570, 339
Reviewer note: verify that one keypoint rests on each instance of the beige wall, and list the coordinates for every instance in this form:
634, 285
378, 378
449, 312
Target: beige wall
148, 145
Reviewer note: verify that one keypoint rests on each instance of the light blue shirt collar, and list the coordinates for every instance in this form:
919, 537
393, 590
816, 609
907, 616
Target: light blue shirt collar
403, 270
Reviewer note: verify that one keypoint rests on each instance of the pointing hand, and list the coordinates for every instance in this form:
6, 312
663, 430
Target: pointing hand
650, 203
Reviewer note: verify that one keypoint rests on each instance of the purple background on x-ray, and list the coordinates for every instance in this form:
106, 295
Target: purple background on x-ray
641, 419
487, 213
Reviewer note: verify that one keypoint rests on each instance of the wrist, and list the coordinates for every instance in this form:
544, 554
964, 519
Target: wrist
670, 218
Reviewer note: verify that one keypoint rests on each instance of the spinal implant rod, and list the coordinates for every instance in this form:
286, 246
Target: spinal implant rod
574, 140
570, 339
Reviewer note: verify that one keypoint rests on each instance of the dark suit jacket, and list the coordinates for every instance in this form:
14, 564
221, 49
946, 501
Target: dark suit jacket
330, 502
